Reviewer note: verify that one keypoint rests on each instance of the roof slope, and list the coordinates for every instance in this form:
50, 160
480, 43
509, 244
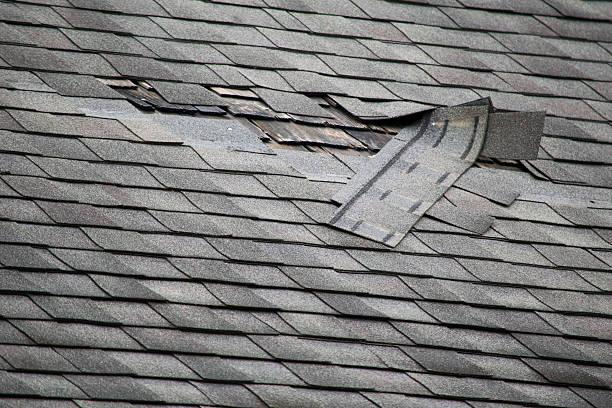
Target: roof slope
161, 245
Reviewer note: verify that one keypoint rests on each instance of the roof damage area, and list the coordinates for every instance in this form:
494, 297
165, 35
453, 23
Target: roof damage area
322, 203
391, 192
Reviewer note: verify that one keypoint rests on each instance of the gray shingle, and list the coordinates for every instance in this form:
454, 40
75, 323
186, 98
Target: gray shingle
549, 86
598, 398
191, 342
490, 271
272, 58
412, 264
380, 110
301, 349
184, 51
215, 368
83, 214
8, 123
292, 103
35, 358
137, 7
510, 320
216, 270
121, 23
19, 165
278, 396
48, 37
28, 257
11, 335
579, 29
452, 362
330, 326
388, 400
85, 63
182, 292
276, 210
64, 284
376, 307
47, 146
570, 257
201, 31
556, 67
99, 261
198, 317
524, 128
405, 12
463, 339
33, 58
125, 288
78, 85
105, 387
230, 394
186, 93
484, 20
266, 79
292, 187
564, 348
20, 307
129, 363
72, 125
109, 42
454, 38
570, 373
396, 51
430, 94
339, 8
97, 172
472, 79
361, 68
351, 378
533, 7
22, 80
76, 334
286, 254
140, 67
598, 327
337, 25
481, 388
44, 385
313, 43
218, 12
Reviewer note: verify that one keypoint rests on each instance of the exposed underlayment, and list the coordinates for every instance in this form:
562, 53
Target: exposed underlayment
168, 169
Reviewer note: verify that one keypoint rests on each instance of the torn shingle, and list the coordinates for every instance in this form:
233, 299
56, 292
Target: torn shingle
410, 174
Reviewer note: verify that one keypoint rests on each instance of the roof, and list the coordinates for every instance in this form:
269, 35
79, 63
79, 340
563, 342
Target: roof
169, 171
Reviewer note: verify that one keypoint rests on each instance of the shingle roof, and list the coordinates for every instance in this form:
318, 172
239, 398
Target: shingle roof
167, 174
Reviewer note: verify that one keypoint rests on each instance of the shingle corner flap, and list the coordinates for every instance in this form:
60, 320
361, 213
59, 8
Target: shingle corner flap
414, 169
